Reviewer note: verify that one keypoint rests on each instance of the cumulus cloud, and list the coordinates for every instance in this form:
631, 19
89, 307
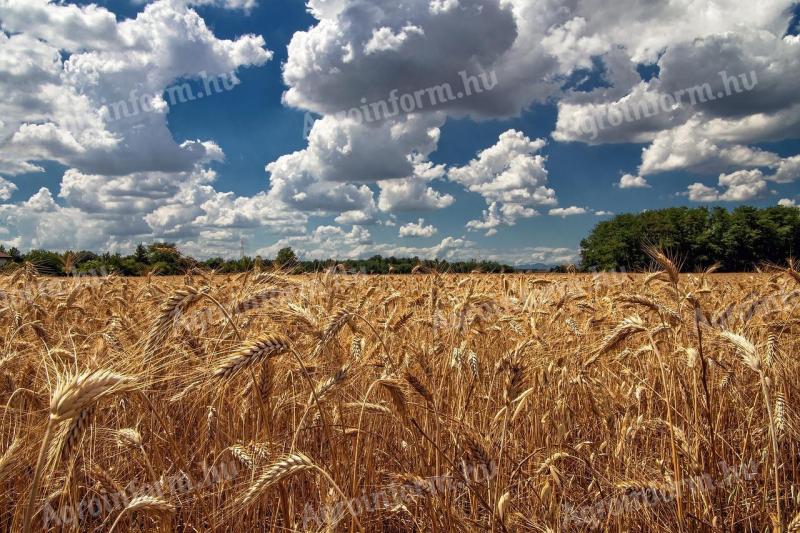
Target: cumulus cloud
720, 88
500, 215
698, 192
112, 212
413, 193
685, 147
418, 229
564, 212
64, 70
60, 109
39, 222
547, 255
7, 188
355, 55
511, 172
788, 170
331, 174
787, 202
357, 52
332, 242
629, 181
511, 177
357, 216
739, 186
384, 39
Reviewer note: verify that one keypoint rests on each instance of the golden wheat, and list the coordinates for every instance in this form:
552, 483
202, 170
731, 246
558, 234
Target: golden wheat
636, 402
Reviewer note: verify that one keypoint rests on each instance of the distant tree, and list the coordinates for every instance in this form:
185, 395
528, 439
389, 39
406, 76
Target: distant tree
286, 257
167, 258
214, 263
141, 254
83, 256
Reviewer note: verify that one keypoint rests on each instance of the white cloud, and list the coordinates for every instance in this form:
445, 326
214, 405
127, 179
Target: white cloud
548, 255
604, 213
356, 216
127, 177
686, 147
644, 30
67, 27
40, 222
511, 176
720, 88
698, 192
418, 229
629, 181
59, 64
739, 186
59, 109
544, 254
567, 211
500, 215
331, 242
112, 212
788, 170
330, 175
787, 202
510, 172
413, 193
384, 39
743, 185
353, 55
6, 189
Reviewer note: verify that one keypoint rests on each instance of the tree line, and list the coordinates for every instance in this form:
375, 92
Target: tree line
164, 258
739, 240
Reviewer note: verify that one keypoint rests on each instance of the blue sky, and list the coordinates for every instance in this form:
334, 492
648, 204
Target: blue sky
509, 174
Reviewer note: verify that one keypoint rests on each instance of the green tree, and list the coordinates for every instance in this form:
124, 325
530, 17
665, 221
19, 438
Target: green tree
141, 254
166, 257
698, 237
286, 257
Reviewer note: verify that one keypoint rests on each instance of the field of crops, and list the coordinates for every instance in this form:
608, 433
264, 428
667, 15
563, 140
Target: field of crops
427, 402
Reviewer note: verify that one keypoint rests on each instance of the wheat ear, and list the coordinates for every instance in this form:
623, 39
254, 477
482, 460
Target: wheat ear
284, 467
249, 354
144, 503
70, 397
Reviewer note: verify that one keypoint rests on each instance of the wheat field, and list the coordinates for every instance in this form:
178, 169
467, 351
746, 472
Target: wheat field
431, 402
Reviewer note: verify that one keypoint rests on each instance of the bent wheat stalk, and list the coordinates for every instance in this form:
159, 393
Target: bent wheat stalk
71, 397
144, 503
285, 467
